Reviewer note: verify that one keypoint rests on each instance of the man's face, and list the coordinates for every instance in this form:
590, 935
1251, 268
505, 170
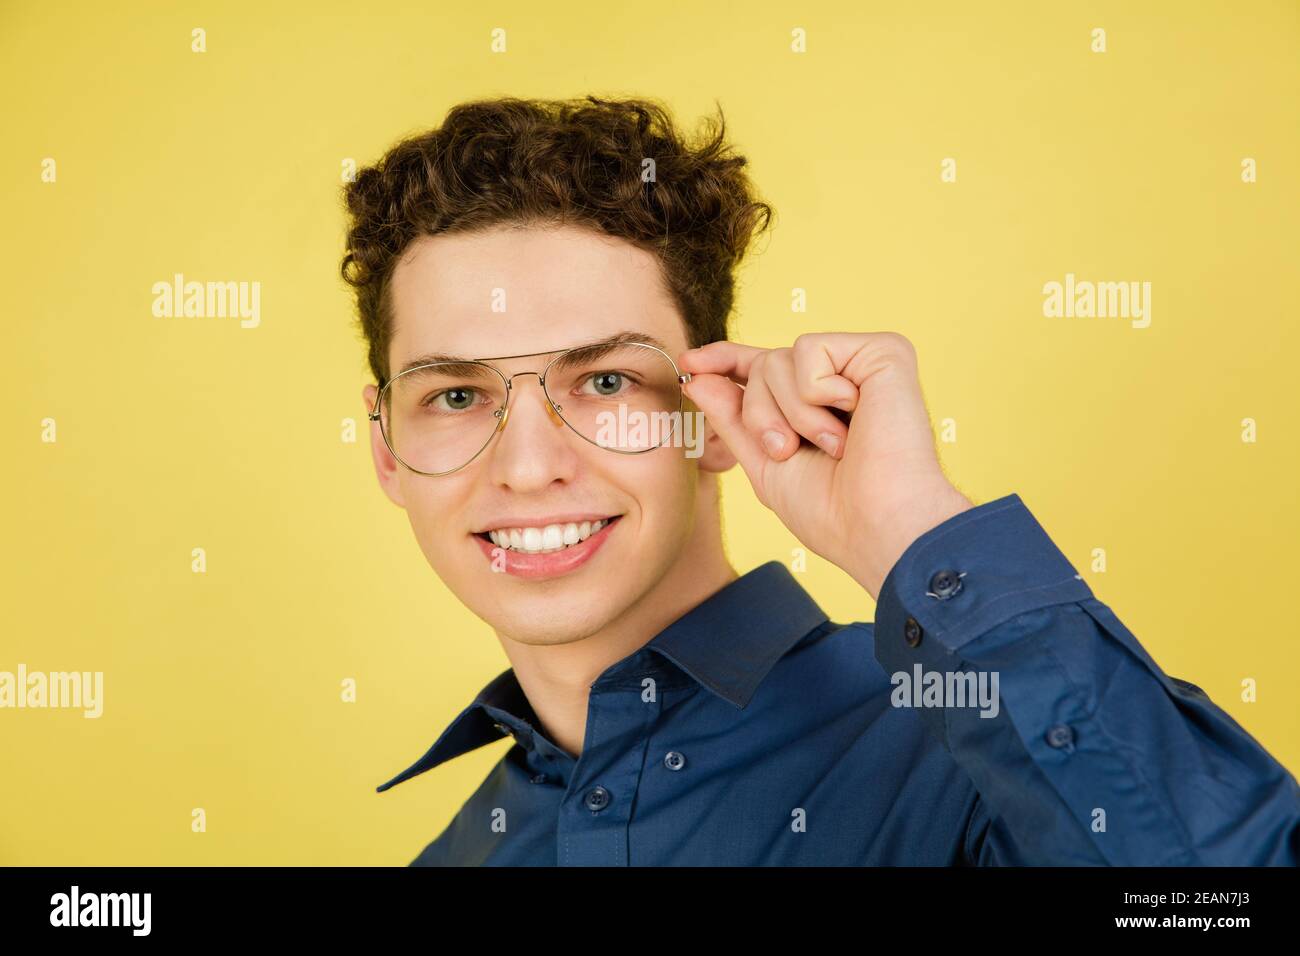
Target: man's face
562, 286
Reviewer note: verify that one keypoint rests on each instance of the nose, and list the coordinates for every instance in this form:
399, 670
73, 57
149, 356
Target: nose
531, 445
549, 407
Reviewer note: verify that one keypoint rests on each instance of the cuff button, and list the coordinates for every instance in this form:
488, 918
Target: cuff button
945, 584
912, 632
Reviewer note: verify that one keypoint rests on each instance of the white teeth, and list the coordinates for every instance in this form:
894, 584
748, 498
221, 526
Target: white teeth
552, 537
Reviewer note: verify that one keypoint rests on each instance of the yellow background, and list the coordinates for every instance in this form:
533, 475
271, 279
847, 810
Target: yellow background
222, 690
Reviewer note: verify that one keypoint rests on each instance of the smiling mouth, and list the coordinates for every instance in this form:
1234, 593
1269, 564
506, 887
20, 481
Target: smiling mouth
545, 540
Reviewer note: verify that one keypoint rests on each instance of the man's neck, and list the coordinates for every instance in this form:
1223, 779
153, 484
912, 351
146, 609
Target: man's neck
557, 678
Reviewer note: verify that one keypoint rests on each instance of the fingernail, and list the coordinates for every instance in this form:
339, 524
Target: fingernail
773, 441
829, 443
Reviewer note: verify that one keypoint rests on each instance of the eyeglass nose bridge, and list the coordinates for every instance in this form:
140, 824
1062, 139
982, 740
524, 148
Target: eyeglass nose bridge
551, 407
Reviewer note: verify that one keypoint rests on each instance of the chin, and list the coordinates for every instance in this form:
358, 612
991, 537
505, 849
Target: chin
556, 610
556, 618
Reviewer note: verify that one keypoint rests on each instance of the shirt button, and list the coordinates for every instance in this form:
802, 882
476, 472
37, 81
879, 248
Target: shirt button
1060, 736
912, 632
674, 761
945, 584
597, 799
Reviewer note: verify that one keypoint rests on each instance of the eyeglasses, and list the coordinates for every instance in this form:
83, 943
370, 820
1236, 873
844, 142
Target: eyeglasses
625, 397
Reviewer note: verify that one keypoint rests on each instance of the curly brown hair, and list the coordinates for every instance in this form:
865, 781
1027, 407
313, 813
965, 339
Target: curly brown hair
579, 162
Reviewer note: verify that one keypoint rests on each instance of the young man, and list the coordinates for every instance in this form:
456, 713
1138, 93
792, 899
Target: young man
531, 265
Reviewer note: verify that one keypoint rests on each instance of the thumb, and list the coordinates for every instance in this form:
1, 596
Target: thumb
721, 399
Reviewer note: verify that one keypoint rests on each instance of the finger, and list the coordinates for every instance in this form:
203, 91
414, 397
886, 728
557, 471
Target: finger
817, 372
720, 399
761, 416
813, 421
721, 358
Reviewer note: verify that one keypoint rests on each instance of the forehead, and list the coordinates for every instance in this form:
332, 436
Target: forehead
510, 291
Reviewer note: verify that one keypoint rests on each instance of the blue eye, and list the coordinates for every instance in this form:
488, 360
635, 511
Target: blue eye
458, 399
607, 383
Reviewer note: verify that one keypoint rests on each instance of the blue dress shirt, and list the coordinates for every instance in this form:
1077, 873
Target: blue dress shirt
996, 713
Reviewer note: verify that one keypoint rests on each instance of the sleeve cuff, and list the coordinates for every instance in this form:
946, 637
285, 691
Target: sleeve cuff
964, 577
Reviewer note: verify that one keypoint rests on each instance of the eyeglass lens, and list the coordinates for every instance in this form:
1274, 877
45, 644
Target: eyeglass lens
438, 417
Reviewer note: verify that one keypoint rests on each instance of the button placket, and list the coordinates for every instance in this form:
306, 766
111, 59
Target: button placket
596, 810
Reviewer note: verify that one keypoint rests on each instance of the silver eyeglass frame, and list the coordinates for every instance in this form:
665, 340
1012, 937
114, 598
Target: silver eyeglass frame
502, 414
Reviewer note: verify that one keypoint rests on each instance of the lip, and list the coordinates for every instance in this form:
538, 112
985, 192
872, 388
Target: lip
552, 564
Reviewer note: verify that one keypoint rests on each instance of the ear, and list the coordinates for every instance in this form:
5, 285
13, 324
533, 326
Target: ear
386, 465
716, 457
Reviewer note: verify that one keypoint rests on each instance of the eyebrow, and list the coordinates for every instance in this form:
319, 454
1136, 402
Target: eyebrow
618, 338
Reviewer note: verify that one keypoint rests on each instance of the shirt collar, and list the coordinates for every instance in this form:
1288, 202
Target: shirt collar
727, 643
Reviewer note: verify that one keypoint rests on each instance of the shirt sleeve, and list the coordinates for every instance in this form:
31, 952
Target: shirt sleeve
1082, 750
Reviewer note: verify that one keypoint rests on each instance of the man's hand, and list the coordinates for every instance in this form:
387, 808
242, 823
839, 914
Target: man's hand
861, 492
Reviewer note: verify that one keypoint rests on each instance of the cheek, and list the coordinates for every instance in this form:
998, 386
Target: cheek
663, 483
434, 507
